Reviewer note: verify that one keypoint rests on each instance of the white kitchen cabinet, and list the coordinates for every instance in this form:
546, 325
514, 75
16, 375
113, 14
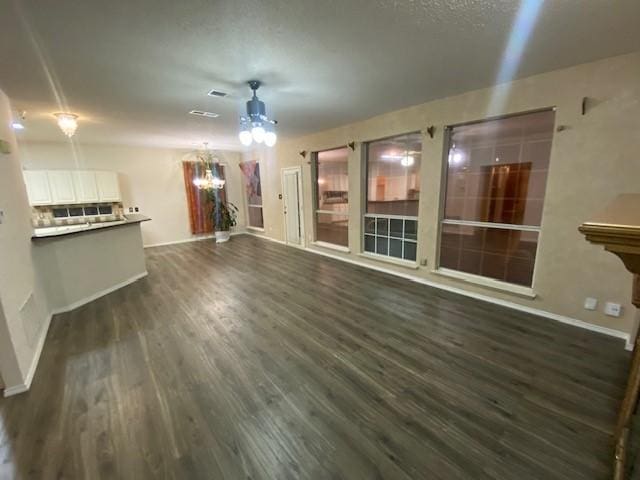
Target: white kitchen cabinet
108, 189
38, 189
61, 186
85, 186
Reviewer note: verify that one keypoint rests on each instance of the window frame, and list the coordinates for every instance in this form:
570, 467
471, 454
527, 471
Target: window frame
246, 198
523, 290
364, 200
315, 200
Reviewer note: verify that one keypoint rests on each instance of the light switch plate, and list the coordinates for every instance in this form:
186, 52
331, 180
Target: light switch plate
590, 303
612, 309
5, 147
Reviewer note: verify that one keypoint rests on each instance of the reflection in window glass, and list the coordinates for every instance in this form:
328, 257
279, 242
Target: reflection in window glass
393, 175
496, 174
253, 193
393, 193
331, 196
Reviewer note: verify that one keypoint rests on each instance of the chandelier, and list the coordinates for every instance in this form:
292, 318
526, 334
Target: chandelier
68, 123
256, 126
209, 180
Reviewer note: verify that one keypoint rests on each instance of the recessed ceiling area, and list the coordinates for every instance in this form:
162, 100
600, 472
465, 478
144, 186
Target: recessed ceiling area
134, 70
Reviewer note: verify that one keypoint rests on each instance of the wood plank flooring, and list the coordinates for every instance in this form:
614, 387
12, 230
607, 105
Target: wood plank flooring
251, 360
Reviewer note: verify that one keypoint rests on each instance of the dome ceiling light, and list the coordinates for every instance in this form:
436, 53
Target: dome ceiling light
256, 126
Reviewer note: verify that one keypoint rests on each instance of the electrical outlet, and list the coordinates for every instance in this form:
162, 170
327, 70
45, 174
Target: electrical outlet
590, 303
423, 262
612, 309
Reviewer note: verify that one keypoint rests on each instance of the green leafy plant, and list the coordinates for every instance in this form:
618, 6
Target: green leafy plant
223, 214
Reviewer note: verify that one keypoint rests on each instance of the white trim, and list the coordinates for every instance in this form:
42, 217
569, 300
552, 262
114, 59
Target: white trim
187, 240
486, 282
99, 294
505, 303
394, 217
501, 226
298, 170
257, 229
282, 242
23, 387
332, 246
388, 259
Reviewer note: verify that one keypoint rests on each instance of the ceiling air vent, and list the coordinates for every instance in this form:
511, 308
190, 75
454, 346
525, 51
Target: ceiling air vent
202, 113
217, 93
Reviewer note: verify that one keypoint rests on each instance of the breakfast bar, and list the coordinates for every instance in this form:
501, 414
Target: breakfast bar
86, 261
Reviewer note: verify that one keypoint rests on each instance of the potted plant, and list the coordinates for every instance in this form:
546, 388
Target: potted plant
223, 215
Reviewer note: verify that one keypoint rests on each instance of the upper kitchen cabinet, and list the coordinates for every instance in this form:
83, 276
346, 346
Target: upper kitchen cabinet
108, 189
84, 184
61, 186
38, 189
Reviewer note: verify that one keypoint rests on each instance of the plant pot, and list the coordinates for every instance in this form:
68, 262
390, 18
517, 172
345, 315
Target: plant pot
222, 236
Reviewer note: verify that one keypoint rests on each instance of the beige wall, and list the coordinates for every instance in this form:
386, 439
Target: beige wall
594, 159
24, 311
150, 178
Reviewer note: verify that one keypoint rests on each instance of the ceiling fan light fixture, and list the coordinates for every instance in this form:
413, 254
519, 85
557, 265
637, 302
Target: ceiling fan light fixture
256, 126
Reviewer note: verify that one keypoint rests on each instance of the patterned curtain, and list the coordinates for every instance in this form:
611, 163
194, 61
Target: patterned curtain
197, 201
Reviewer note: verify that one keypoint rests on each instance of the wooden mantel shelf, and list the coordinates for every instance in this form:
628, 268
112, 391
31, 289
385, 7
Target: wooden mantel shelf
617, 229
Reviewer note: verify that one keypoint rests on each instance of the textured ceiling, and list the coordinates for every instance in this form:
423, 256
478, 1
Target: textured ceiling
133, 69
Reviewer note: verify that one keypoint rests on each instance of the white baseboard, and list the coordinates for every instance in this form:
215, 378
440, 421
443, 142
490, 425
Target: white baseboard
102, 293
192, 239
486, 298
23, 387
264, 237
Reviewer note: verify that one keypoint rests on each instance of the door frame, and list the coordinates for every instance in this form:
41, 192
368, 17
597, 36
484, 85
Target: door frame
298, 170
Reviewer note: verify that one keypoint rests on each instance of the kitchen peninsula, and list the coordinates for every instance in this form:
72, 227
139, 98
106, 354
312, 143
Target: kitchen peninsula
87, 261
82, 239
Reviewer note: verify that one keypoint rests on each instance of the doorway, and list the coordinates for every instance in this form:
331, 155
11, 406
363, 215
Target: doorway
292, 206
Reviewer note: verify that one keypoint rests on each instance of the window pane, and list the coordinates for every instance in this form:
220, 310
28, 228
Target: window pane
255, 217
382, 226
393, 175
369, 225
333, 180
381, 245
410, 250
411, 229
369, 243
497, 170
332, 229
505, 255
395, 248
395, 227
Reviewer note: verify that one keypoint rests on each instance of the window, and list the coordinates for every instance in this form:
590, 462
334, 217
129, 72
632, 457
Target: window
393, 191
496, 177
331, 196
253, 190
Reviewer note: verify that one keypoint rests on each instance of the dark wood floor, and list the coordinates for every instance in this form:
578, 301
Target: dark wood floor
251, 360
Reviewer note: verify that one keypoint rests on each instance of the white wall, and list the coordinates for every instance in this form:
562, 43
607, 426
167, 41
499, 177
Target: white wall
24, 312
150, 178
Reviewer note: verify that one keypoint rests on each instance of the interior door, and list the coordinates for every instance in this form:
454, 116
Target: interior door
292, 191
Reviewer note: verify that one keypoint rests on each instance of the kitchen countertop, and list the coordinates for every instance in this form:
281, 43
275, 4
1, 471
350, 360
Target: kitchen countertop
65, 230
